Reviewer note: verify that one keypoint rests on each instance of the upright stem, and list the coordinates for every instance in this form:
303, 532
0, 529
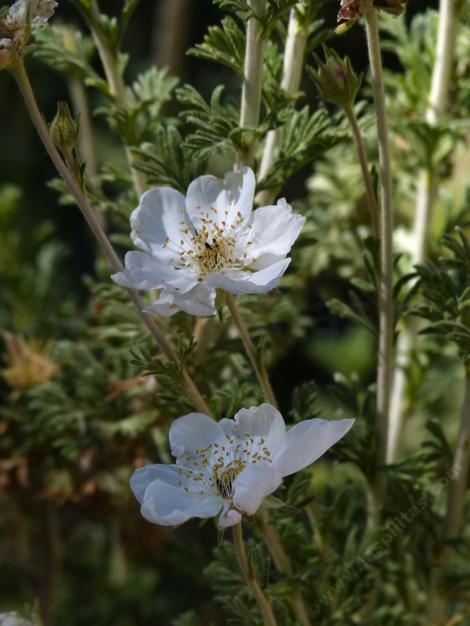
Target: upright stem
386, 312
86, 139
371, 199
460, 468
294, 52
250, 350
455, 507
250, 577
93, 222
253, 72
425, 196
110, 62
51, 564
283, 564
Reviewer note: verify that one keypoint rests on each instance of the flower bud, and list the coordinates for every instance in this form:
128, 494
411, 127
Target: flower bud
63, 128
336, 79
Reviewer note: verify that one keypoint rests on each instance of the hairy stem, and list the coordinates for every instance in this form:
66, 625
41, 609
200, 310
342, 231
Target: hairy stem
250, 577
283, 564
86, 139
386, 312
110, 61
425, 196
460, 468
457, 487
93, 222
252, 73
371, 199
250, 350
294, 52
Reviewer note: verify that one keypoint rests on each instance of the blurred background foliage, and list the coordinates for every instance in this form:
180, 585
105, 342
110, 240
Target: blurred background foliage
85, 400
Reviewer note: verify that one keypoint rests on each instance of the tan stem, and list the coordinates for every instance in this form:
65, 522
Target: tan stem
93, 222
386, 307
371, 199
283, 564
81, 107
116, 83
294, 52
252, 73
250, 577
425, 198
250, 350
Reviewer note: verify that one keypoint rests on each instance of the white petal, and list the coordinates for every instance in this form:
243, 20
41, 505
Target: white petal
199, 301
193, 431
229, 516
252, 485
170, 505
261, 421
229, 200
143, 271
249, 282
274, 230
161, 214
307, 441
143, 476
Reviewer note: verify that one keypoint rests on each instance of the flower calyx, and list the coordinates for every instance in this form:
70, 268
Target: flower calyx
336, 79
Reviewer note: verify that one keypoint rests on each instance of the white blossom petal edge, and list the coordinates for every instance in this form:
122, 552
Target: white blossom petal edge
37, 11
225, 469
210, 239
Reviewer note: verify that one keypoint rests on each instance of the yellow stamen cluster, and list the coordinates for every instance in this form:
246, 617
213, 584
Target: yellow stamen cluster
211, 248
217, 466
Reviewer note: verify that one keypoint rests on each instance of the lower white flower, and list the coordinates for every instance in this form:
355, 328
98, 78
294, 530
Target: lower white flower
225, 469
210, 239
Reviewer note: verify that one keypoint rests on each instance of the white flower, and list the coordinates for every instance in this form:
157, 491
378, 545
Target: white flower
210, 239
227, 468
37, 12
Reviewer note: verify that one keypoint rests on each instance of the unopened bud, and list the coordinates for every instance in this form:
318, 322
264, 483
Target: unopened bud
63, 128
336, 79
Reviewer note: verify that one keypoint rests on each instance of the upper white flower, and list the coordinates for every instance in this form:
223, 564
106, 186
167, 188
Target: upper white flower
227, 468
210, 239
37, 11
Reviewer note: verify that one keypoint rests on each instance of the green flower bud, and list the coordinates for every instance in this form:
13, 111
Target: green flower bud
63, 128
336, 79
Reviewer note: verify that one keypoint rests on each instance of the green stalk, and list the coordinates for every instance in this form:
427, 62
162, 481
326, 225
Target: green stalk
93, 222
386, 305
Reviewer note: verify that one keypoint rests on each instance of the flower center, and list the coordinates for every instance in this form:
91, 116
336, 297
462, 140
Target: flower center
216, 467
224, 476
212, 248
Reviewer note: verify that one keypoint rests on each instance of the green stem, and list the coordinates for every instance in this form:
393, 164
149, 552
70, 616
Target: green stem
386, 307
92, 220
250, 350
425, 197
110, 62
252, 73
250, 577
294, 52
361, 152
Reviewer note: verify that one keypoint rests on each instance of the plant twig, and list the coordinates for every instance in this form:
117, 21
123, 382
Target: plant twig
386, 311
294, 52
250, 577
425, 196
110, 62
252, 73
283, 564
250, 350
361, 152
92, 220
